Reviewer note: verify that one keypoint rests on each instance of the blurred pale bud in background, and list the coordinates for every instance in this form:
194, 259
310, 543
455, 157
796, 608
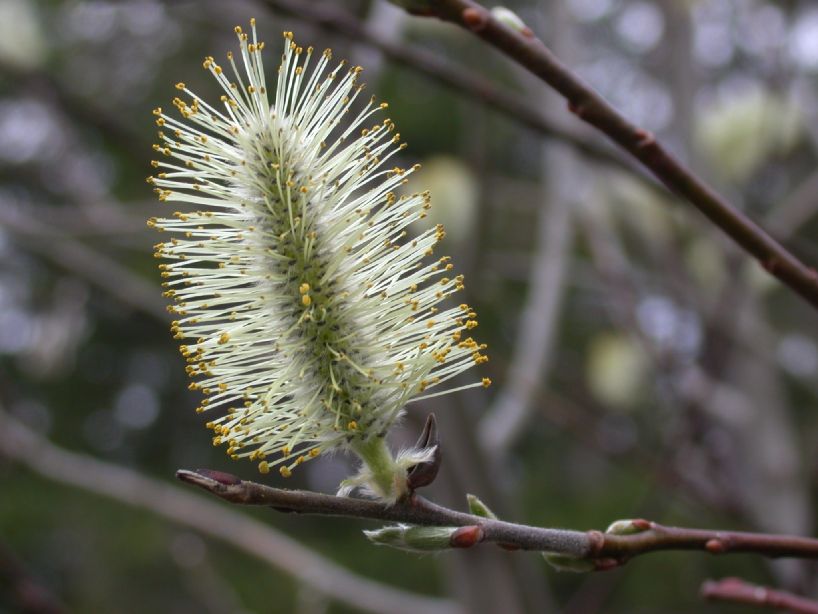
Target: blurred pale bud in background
454, 197
627, 203
739, 134
705, 261
616, 369
21, 39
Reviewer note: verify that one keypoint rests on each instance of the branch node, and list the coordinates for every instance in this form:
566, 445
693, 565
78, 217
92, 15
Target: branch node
578, 109
596, 541
715, 546
770, 264
466, 537
644, 138
475, 19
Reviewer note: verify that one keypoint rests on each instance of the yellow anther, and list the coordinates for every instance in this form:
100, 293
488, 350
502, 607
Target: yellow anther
352, 425
306, 300
304, 288
264, 467
285, 472
224, 338
180, 85
486, 382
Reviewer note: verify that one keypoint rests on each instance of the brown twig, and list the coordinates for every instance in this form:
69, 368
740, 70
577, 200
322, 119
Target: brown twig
528, 51
326, 15
735, 590
606, 550
417, 511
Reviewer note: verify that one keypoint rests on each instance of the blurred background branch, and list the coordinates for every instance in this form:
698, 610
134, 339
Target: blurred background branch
734, 590
584, 102
22, 445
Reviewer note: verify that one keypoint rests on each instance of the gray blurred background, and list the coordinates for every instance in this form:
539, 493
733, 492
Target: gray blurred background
642, 366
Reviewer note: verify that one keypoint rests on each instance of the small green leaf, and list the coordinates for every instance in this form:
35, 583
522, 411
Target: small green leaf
478, 508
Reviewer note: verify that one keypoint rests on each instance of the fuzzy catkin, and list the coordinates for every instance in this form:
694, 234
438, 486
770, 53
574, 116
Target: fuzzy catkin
308, 315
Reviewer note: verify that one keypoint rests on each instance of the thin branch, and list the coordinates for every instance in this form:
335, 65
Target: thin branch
735, 590
458, 79
524, 48
605, 550
99, 117
257, 539
537, 332
92, 265
417, 511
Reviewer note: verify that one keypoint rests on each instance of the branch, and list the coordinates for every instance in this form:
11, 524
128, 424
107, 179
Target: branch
452, 77
536, 337
125, 486
735, 590
528, 51
605, 550
78, 108
94, 266
417, 511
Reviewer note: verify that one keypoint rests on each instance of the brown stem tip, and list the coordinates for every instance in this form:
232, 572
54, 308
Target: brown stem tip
466, 537
475, 19
228, 479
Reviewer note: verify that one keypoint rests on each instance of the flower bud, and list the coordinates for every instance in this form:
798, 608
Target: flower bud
413, 538
627, 527
509, 18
